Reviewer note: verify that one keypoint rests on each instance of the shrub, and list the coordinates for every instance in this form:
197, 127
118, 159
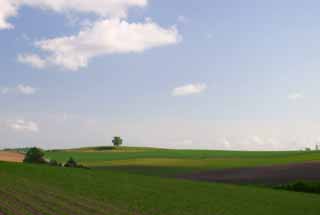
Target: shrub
71, 163
34, 155
301, 186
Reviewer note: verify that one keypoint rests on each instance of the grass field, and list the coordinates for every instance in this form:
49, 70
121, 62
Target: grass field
112, 189
167, 162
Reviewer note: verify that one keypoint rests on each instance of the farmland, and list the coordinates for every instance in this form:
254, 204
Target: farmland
11, 156
168, 162
130, 181
31, 189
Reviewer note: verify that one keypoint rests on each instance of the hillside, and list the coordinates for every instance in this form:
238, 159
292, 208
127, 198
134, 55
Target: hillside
153, 161
31, 189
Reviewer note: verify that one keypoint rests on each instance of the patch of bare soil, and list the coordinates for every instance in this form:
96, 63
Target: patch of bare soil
260, 175
11, 156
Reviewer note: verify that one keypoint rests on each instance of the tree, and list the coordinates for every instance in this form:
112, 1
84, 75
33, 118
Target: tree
34, 155
117, 141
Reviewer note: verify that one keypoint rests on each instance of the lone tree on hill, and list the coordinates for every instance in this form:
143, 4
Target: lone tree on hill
34, 155
117, 141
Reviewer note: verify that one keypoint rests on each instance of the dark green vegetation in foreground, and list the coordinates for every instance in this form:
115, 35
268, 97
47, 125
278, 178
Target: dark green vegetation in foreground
39, 189
152, 161
301, 186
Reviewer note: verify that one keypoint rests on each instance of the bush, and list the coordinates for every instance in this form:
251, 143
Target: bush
301, 186
71, 163
34, 155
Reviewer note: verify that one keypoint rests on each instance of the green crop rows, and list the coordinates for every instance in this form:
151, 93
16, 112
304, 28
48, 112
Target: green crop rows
110, 188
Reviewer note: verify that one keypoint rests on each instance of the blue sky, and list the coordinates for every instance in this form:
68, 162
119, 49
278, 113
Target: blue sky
197, 74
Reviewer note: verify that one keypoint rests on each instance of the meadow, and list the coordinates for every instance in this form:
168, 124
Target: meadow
161, 162
112, 186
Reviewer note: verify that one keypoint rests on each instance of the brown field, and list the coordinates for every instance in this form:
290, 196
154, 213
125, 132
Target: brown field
11, 156
261, 175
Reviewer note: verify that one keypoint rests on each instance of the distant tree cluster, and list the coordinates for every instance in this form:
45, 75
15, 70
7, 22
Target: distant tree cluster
316, 148
36, 156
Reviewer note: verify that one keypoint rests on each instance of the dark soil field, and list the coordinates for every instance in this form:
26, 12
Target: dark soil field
260, 175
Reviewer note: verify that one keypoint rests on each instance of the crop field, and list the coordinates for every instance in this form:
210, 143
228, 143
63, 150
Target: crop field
34, 189
11, 156
132, 181
169, 162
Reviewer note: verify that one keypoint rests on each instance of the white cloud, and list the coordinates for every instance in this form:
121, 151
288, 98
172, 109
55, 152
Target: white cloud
32, 59
7, 9
108, 34
295, 96
104, 37
19, 89
24, 126
102, 8
26, 90
189, 89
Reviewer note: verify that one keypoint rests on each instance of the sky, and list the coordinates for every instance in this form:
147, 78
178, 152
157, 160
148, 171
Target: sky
207, 74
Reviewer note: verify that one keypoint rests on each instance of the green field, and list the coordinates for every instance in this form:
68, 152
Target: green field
43, 190
31, 189
167, 162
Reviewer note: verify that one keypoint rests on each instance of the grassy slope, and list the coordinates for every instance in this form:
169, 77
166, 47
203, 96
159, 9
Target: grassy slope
161, 161
40, 189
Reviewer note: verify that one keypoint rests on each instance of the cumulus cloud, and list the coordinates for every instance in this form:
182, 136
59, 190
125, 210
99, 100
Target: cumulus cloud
113, 8
8, 8
110, 36
26, 90
19, 89
189, 89
295, 96
102, 8
32, 59
24, 126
